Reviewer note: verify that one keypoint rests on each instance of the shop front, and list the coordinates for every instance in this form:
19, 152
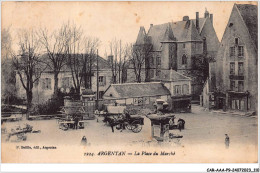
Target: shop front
238, 101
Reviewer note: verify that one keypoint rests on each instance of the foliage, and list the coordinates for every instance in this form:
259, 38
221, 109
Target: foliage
52, 106
200, 66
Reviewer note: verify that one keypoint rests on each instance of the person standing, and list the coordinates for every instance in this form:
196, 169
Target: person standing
180, 124
76, 122
227, 141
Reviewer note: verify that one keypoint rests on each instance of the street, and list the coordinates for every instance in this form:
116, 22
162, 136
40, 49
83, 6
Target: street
204, 131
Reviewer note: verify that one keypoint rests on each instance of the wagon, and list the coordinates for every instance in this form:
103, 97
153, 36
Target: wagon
133, 123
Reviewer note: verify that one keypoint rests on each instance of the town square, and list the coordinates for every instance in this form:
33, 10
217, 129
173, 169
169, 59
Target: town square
115, 82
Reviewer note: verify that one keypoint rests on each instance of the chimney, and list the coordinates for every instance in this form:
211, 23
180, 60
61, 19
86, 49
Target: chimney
151, 25
186, 18
211, 18
197, 21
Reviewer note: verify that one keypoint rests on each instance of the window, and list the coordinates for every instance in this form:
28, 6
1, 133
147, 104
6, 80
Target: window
152, 60
236, 41
101, 80
185, 89
240, 68
46, 84
100, 95
158, 72
184, 59
232, 68
232, 85
240, 86
158, 59
183, 45
177, 89
232, 51
152, 73
241, 51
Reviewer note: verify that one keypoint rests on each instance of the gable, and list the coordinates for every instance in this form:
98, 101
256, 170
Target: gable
160, 33
185, 31
141, 36
209, 32
250, 17
239, 29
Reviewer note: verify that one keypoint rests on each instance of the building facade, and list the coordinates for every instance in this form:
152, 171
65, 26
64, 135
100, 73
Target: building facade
44, 87
236, 72
176, 44
137, 94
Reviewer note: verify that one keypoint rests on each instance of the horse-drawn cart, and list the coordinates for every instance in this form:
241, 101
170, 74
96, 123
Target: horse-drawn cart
116, 116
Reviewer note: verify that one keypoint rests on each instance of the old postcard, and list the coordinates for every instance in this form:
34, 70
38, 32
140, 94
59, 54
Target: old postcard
129, 82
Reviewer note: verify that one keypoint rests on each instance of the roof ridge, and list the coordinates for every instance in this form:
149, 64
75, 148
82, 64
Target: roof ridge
136, 83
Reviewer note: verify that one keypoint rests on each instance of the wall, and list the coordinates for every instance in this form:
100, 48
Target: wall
40, 95
240, 31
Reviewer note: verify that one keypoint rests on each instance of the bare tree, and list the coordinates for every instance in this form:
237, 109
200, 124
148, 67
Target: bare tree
119, 53
81, 57
27, 64
55, 47
124, 62
115, 53
8, 73
90, 46
138, 56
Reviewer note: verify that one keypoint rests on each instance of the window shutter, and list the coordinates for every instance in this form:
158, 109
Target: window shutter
104, 78
49, 83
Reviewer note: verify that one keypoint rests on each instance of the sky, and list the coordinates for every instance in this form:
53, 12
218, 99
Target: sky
109, 20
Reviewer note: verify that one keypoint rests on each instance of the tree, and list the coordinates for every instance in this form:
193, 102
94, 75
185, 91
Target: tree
55, 47
8, 72
113, 58
81, 57
119, 53
138, 57
200, 67
28, 64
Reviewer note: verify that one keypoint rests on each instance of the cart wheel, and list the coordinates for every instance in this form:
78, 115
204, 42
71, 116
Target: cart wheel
136, 126
128, 126
65, 127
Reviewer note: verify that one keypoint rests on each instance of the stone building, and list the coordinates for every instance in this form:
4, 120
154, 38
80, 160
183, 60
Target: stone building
44, 87
176, 44
236, 61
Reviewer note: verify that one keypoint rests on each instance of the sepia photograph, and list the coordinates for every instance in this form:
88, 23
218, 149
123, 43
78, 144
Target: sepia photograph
129, 82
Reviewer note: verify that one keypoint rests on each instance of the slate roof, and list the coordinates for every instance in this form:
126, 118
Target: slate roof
186, 30
172, 31
141, 36
250, 16
131, 90
160, 33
